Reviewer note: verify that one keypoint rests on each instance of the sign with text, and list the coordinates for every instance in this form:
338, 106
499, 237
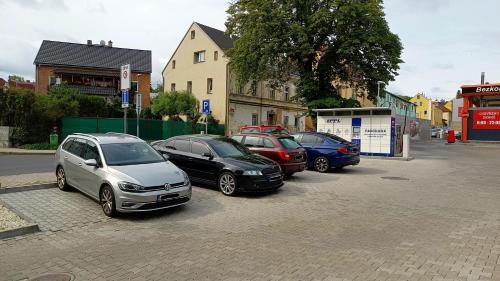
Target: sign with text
125, 99
125, 77
486, 119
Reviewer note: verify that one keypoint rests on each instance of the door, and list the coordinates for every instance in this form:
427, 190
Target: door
91, 181
203, 168
72, 163
181, 155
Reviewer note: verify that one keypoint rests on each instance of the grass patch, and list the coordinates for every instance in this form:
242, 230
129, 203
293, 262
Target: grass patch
39, 146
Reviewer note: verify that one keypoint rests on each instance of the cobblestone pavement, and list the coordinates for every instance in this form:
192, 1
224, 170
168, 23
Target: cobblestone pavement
439, 221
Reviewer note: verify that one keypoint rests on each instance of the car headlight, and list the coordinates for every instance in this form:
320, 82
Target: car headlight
130, 187
186, 178
252, 173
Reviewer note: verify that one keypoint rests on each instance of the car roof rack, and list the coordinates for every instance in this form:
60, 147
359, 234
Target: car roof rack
86, 135
122, 134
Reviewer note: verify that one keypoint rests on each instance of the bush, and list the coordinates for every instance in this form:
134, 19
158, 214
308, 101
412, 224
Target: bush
39, 146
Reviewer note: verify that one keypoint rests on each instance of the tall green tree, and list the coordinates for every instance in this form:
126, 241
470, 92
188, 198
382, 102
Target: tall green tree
173, 104
347, 41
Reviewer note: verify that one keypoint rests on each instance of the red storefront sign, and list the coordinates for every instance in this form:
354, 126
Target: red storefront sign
486, 119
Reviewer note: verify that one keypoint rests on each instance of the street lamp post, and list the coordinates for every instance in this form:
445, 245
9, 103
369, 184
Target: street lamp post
378, 91
137, 102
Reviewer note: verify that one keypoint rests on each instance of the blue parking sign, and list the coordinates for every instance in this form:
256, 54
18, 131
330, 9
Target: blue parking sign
124, 98
205, 106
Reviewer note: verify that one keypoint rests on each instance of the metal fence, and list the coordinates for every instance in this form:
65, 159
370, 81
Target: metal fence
148, 129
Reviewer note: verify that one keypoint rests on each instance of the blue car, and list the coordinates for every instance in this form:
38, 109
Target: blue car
325, 151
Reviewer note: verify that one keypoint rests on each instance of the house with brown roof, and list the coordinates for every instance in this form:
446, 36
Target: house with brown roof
93, 69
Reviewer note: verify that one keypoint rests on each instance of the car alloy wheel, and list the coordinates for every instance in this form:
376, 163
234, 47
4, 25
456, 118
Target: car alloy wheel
61, 179
108, 201
321, 164
227, 184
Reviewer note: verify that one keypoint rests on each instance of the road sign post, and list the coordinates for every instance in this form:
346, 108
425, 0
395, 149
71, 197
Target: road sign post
138, 108
205, 107
125, 72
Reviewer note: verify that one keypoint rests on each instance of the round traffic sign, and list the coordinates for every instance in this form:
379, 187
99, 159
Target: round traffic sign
125, 74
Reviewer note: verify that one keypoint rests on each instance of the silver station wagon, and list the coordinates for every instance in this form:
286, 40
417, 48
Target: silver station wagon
121, 171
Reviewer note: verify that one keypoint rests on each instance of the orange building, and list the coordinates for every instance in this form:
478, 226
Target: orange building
93, 69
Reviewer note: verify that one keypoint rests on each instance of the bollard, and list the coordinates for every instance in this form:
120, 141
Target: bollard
406, 146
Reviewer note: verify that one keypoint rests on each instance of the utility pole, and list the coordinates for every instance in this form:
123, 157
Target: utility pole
138, 103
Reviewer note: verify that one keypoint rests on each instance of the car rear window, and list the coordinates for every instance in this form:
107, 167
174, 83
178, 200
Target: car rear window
252, 141
289, 143
337, 138
250, 130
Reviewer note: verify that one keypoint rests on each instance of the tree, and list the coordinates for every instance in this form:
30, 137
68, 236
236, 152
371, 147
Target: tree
459, 94
16, 78
322, 41
406, 98
173, 104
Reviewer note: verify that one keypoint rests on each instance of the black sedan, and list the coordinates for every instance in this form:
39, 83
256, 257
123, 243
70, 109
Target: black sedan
223, 162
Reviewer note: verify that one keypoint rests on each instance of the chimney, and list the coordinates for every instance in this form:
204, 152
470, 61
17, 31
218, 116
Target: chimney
110, 44
89, 42
482, 77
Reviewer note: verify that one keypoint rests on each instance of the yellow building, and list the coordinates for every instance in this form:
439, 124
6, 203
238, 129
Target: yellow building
437, 114
424, 108
199, 65
360, 95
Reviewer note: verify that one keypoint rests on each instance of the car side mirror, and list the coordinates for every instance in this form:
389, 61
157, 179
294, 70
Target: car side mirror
208, 155
91, 162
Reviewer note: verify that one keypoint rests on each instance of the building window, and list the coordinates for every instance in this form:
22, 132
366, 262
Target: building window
189, 86
199, 56
296, 122
193, 34
418, 97
133, 86
272, 94
255, 119
420, 103
285, 121
172, 87
216, 55
425, 112
210, 83
173, 64
286, 93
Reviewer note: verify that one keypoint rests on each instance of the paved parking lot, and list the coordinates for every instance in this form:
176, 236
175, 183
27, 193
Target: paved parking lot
434, 218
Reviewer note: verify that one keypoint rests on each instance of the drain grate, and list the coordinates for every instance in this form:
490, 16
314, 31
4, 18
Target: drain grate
54, 277
395, 178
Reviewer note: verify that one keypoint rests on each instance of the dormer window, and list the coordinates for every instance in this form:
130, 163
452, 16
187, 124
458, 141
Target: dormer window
193, 34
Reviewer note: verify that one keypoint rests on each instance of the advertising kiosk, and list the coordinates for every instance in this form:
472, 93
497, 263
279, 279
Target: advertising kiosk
373, 129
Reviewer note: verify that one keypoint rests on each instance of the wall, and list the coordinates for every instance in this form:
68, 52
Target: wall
437, 116
456, 121
186, 70
5, 134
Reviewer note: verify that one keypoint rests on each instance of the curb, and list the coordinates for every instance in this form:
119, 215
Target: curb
388, 158
48, 152
32, 227
27, 187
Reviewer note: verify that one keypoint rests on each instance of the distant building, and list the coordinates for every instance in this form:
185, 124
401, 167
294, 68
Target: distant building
93, 69
437, 114
3, 85
400, 106
199, 65
424, 108
28, 85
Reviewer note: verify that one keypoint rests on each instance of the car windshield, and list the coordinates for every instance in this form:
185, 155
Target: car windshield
226, 147
289, 143
132, 153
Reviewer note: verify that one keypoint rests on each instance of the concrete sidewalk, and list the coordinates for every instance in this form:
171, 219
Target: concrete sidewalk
25, 151
26, 180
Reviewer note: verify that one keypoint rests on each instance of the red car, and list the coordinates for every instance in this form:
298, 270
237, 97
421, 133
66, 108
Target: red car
289, 154
271, 129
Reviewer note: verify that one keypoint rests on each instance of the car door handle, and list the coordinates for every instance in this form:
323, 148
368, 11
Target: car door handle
80, 164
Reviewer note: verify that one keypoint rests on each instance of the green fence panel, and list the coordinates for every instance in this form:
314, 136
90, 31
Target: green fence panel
149, 129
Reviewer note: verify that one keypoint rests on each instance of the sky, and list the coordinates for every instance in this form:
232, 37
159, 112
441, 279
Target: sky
447, 43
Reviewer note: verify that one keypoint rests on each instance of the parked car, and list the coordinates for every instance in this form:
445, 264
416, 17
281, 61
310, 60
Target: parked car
221, 161
283, 149
325, 151
434, 132
121, 171
271, 129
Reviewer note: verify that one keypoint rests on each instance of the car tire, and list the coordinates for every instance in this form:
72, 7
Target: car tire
321, 164
227, 184
107, 201
62, 184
